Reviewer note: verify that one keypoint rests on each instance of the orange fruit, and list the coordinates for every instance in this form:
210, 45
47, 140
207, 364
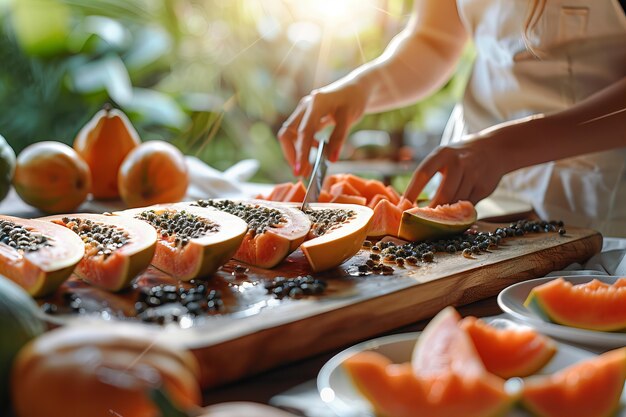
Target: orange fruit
154, 172
52, 177
103, 143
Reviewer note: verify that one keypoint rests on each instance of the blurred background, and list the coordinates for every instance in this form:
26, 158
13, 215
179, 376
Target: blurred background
214, 77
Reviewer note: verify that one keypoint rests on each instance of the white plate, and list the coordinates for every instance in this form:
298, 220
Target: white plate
511, 300
338, 392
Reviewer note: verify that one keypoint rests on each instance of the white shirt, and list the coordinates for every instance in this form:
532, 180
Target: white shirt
577, 47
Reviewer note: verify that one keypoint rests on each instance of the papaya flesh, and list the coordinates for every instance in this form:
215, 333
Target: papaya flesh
111, 262
424, 223
445, 378
279, 231
592, 306
509, 352
43, 265
340, 241
591, 388
186, 254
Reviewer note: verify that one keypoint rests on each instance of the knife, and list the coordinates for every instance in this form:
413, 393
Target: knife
317, 177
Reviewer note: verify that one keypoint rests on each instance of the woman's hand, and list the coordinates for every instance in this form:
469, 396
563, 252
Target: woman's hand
340, 104
470, 170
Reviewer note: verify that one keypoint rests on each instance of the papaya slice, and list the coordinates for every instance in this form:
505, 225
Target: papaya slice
279, 191
39, 256
337, 233
393, 195
192, 242
296, 194
324, 197
589, 306
423, 223
509, 352
405, 204
591, 388
117, 248
275, 229
386, 219
445, 378
349, 199
376, 199
343, 187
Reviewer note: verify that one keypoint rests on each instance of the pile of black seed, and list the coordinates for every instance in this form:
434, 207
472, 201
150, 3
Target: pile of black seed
468, 244
301, 286
18, 237
183, 225
195, 301
71, 300
326, 219
258, 217
99, 238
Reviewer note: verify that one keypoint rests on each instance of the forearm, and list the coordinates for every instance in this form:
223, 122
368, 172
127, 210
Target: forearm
417, 62
596, 124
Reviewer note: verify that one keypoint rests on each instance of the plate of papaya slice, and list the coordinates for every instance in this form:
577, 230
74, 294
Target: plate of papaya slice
589, 310
473, 368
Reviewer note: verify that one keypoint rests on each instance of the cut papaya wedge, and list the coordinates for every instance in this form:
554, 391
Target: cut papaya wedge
275, 229
445, 379
37, 255
337, 233
512, 351
192, 241
117, 248
593, 305
423, 223
591, 388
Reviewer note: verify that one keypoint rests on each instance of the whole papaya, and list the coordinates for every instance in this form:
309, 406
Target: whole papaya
7, 167
103, 143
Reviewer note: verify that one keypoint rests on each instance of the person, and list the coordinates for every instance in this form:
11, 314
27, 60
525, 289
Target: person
542, 117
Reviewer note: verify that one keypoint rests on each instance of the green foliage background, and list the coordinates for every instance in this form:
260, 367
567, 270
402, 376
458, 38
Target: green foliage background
193, 72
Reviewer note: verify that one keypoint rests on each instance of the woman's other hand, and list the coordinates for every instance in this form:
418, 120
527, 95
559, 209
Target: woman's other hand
340, 104
470, 170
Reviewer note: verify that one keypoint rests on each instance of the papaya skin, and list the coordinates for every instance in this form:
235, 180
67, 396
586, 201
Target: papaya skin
153, 173
103, 143
51, 177
99, 371
415, 227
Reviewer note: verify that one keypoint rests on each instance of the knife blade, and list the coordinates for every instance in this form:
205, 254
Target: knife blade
317, 177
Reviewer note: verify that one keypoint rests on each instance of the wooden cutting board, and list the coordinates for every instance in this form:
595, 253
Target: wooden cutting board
359, 307
264, 332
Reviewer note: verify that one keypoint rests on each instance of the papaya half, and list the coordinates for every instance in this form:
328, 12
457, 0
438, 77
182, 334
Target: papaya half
192, 242
337, 233
117, 248
37, 255
274, 230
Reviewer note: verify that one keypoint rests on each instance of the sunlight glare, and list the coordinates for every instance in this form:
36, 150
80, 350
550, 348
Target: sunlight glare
343, 17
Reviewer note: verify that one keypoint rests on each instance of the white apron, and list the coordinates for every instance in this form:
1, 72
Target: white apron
578, 48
